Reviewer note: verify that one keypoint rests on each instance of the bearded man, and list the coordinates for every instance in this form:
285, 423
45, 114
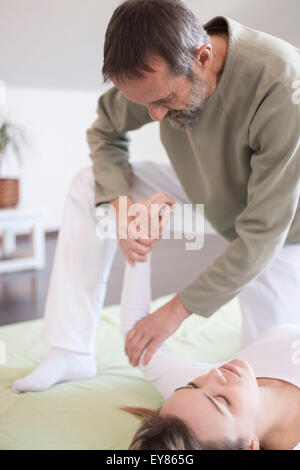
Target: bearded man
223, 93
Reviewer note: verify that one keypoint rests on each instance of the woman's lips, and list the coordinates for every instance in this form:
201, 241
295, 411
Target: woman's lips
231, 369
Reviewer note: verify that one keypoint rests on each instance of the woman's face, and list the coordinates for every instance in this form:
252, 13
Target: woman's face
220, 405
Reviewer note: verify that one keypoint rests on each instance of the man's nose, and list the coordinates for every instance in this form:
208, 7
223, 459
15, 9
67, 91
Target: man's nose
157, 113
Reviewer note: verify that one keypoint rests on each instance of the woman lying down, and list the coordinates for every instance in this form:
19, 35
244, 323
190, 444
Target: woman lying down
250, 403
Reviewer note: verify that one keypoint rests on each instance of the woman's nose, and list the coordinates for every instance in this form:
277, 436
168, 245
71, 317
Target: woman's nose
216, 376
157, 113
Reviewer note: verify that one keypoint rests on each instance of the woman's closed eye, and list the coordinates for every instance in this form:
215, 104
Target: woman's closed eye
218, 396
193, 385
224, 399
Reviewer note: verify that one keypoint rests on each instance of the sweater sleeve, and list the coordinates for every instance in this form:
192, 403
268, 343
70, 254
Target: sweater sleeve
109, 144
165, 370
272, 198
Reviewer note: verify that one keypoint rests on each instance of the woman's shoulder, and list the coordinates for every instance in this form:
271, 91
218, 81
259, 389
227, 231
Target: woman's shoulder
286, 331
276, 354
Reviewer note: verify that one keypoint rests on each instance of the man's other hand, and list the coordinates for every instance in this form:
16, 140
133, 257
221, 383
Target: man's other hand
149, 332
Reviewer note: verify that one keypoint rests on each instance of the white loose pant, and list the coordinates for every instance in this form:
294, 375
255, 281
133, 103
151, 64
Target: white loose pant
82, 265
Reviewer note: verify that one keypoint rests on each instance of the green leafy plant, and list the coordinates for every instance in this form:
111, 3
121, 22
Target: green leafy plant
10, 136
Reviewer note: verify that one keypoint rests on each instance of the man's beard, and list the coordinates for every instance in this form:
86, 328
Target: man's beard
185, 118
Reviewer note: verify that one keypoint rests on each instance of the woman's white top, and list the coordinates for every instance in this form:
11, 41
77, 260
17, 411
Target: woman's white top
275, 355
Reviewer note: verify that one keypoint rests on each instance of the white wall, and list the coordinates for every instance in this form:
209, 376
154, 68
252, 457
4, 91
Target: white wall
51, 56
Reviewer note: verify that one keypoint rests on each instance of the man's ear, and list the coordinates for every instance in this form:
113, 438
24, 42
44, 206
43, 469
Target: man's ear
204, 55
254, 444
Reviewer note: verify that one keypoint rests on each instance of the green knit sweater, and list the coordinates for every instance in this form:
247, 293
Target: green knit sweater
241, 159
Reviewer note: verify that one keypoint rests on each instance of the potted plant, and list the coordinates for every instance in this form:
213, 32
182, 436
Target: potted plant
11, 137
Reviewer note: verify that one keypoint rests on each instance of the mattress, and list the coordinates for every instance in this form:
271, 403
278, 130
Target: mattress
84, 414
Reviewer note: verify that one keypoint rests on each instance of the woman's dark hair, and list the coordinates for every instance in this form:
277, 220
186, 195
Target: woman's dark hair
168, 432
144, 29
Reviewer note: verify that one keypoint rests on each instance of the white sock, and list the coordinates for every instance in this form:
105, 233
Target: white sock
59, 365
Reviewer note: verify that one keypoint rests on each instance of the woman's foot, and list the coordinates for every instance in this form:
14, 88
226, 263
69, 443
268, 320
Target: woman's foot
60, 365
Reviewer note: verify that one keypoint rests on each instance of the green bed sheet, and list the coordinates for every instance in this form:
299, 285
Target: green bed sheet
83, 414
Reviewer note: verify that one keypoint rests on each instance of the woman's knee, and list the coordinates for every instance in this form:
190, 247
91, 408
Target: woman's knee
82, 180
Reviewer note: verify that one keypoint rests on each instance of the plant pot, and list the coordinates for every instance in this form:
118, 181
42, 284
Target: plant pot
9, 192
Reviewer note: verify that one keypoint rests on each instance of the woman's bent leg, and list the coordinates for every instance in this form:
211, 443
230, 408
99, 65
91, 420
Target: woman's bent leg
76, 292
80, 272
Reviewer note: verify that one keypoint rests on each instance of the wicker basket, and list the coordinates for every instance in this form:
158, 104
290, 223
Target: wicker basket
9, 192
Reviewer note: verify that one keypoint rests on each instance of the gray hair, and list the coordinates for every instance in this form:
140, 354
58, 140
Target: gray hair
143, 29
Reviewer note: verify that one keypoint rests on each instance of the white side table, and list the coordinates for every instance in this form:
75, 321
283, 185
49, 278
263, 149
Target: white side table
16, 221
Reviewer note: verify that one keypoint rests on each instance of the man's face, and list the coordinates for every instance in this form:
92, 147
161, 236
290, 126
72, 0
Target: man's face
169, 96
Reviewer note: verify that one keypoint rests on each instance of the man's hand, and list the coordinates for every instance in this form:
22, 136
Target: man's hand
135, 248
149, 332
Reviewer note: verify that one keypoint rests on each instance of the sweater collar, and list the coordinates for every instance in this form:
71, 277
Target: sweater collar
219, 23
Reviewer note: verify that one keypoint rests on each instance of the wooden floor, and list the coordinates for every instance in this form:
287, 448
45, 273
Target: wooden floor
23, 294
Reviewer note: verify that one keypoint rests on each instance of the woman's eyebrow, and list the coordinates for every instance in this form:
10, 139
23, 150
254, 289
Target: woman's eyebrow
206, 395
214, 403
